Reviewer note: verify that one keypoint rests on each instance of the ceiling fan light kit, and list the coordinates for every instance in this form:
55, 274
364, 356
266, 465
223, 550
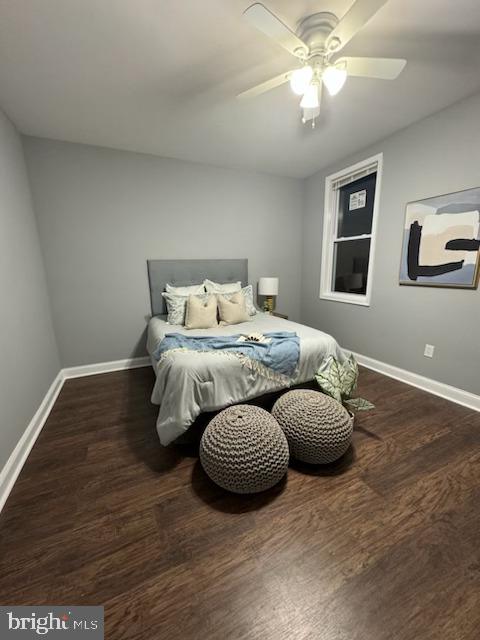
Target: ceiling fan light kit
310, 98
300, 79
334, 78
316, 44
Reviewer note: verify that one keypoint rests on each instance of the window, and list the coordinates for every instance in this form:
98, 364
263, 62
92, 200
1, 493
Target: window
351, 209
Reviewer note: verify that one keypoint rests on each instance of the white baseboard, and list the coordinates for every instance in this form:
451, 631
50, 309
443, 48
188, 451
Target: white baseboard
18, 457
441, 389
105, 367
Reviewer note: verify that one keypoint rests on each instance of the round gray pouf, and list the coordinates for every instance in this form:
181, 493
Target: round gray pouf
244, 450
318, 428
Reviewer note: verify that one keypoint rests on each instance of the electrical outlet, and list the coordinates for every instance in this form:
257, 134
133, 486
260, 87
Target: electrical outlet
429, 350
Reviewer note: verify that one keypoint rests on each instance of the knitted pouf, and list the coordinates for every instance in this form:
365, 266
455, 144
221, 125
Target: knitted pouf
318, 428
244, 450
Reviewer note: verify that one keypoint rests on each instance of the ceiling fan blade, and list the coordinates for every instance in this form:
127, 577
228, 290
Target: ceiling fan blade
265, 86
355, 19
382, 68
268, 23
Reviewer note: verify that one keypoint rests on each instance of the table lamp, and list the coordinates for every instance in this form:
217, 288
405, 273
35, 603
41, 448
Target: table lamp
268, 287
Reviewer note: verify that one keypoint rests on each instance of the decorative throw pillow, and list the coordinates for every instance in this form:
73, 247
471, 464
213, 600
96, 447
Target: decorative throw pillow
217, 287
233, 311
176, 307
191, 289
201, 314
248, 293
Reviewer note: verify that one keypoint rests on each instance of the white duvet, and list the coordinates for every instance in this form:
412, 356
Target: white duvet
190, 383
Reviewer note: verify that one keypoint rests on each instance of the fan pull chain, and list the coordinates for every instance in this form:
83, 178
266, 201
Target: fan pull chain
305, 122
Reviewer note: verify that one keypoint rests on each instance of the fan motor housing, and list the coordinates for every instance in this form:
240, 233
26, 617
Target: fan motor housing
314, 31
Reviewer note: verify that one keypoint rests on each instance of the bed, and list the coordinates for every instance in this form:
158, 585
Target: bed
189, 384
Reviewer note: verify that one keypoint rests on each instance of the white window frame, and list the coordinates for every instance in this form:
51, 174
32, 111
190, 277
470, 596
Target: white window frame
330, 226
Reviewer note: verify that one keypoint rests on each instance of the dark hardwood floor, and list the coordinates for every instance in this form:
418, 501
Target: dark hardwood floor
384, 545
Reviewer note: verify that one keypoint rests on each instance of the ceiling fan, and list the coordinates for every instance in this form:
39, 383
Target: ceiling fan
316, 45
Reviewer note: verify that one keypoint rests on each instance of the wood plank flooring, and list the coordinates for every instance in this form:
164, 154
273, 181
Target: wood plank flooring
384, 545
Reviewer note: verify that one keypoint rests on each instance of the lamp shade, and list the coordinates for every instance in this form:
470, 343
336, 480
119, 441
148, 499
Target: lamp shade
334, 79
300, 79
310, 98
268, 286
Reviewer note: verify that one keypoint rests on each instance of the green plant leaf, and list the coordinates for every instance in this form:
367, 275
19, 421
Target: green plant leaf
352, 367
335, 373
328, 386
349, 378
359, 404
338, 380
328, 378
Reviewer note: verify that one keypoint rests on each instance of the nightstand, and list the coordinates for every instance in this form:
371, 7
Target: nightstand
279, 315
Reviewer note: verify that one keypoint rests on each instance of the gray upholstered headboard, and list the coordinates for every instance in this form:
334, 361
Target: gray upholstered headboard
185, 272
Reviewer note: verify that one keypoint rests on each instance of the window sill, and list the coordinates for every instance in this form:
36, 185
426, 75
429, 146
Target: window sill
363, 301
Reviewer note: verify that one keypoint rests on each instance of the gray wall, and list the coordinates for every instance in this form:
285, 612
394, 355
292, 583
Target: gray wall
102, 213
29, 358
437, 155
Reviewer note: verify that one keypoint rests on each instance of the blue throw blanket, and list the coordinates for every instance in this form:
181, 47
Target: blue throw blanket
280, 354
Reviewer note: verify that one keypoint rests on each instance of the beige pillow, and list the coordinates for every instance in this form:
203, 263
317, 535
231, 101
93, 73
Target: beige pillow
233, 310
201, 313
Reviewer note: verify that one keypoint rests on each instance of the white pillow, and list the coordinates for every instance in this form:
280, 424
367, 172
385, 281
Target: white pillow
217, 287
249, 303
201, 314
192, 289
176, 306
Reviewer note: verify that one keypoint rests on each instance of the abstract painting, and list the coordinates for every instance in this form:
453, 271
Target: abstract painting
441, 241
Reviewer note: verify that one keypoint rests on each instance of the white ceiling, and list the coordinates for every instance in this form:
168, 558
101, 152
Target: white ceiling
160, 76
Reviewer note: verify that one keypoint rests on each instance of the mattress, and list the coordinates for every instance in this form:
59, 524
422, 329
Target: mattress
188, 384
